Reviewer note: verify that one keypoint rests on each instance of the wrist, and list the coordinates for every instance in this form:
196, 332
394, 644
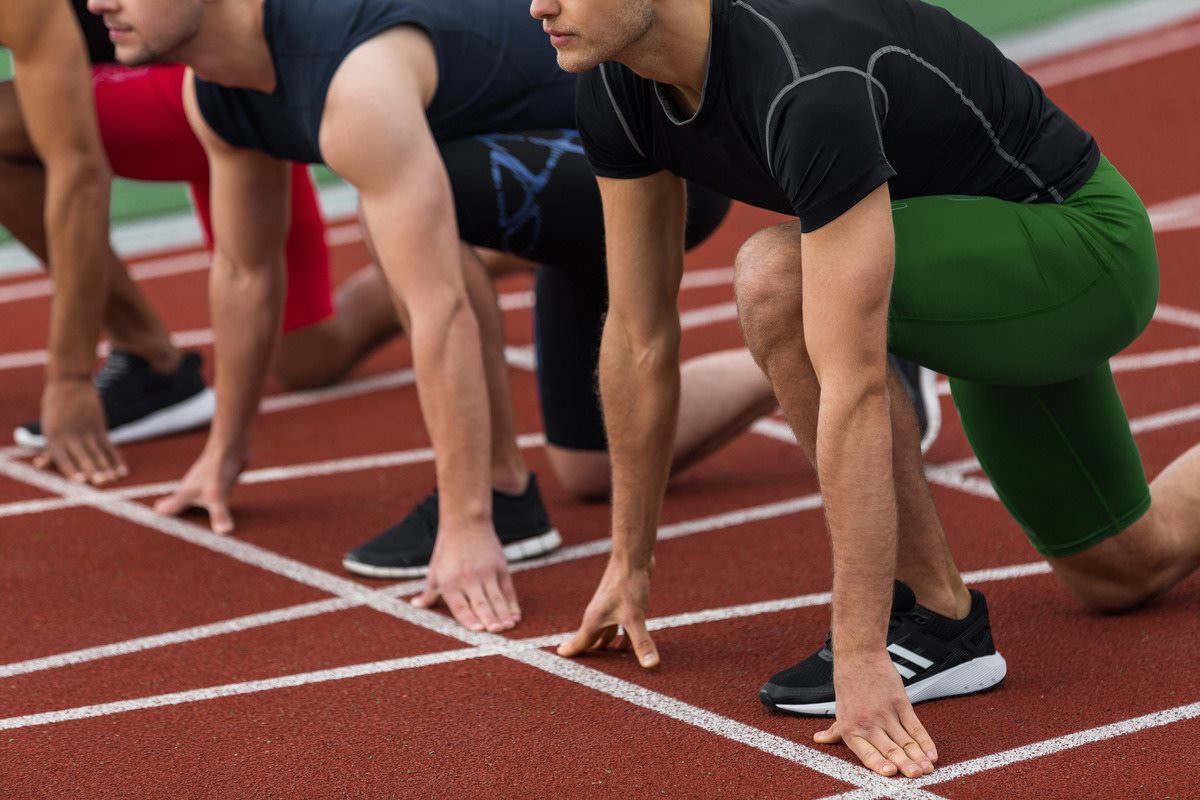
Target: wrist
626, 560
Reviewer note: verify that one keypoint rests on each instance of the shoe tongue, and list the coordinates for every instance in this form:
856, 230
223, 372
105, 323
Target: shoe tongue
903, 599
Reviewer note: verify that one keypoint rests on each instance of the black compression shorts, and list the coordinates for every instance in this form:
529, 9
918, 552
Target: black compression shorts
533, 194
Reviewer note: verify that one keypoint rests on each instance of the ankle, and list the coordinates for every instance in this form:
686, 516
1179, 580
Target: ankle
511, 481
162, 358
952, 602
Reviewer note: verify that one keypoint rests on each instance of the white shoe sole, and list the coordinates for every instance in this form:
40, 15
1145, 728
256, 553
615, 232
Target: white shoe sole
194, 412
933, 407
517, 551
972, 677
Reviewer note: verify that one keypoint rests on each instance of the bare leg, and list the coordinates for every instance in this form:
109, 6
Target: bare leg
130, 322
721, 394
1150, 556
364, 318
924, 559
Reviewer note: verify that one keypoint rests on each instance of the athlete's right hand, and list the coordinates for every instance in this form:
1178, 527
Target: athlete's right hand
207, 485
469, 572
619, 606
76, 434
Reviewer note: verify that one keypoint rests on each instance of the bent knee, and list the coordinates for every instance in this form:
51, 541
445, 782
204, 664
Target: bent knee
1109, 581
584, 474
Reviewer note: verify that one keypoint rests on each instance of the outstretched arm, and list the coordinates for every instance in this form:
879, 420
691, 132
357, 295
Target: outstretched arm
639, 387
250, 200
375, 135
847, 279
55, 94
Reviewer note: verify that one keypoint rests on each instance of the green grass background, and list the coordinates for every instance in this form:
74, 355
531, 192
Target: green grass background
135, 199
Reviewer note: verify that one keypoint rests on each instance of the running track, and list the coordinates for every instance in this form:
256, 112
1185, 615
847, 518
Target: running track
143, 656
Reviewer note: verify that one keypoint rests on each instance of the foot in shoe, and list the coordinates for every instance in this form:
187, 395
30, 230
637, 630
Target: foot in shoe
936, 657
404, 550
140, 403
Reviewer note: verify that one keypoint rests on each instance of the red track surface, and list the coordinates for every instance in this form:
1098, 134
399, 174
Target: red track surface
457, 724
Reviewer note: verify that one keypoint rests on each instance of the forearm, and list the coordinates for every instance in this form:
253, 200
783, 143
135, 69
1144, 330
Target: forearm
448, 360
639, 384
77, 227
854, 457
247, 305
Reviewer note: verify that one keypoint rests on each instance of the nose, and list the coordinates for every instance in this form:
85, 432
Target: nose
540, 9
100, 7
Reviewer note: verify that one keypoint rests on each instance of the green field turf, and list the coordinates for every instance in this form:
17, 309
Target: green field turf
135, 200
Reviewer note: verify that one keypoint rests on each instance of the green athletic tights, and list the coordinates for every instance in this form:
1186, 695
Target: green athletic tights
1022, 305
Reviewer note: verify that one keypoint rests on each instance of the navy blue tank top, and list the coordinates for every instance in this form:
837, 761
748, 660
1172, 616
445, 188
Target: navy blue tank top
496, 71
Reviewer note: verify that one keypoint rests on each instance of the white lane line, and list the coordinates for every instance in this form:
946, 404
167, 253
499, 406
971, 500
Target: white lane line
160, 267
235, 689
1136, 362
194, 634
1124, 54
512, 301
341, 587
1175, 315
1176, 215
954, 475
312, 469
1043, 748
585, 550
773, 428
391, 665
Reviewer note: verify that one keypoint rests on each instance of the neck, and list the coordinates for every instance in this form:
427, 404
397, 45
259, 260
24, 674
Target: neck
231, 48
674, 50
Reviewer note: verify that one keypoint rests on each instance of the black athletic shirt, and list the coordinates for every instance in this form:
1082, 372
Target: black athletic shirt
100, 48
496, 71
809, 105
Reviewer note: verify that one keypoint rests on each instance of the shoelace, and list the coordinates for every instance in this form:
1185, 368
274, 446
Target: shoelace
116, 367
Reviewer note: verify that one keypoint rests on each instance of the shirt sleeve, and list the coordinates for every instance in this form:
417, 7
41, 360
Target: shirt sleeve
604, 126
825, 145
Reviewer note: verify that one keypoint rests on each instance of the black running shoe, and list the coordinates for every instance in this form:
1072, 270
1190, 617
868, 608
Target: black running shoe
921, 386
935, 656
140, 403
404, 550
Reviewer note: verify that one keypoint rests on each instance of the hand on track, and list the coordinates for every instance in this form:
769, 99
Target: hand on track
619, 605
206, 485
469, 572
76, 434
876, 720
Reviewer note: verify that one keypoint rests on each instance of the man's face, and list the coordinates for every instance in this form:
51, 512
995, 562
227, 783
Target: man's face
588, 32
148, 31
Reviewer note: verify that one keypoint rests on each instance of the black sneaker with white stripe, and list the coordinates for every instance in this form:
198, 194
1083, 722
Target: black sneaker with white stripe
936, 657
140, 403
404, 550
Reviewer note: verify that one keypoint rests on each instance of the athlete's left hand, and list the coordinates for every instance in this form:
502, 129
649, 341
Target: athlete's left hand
875, 718
619, 605
207, 485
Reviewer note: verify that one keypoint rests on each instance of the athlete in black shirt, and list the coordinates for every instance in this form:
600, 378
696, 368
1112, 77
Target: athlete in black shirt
1014, 258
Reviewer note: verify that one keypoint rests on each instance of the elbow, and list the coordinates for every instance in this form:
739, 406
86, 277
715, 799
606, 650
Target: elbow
650, 345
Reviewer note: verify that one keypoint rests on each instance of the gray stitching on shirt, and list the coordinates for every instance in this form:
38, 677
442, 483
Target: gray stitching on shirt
617, 110
987, 126
787, 50
871, 80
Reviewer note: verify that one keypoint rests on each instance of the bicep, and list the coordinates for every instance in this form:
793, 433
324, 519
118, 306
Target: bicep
374, 133
644, 228
847, 281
